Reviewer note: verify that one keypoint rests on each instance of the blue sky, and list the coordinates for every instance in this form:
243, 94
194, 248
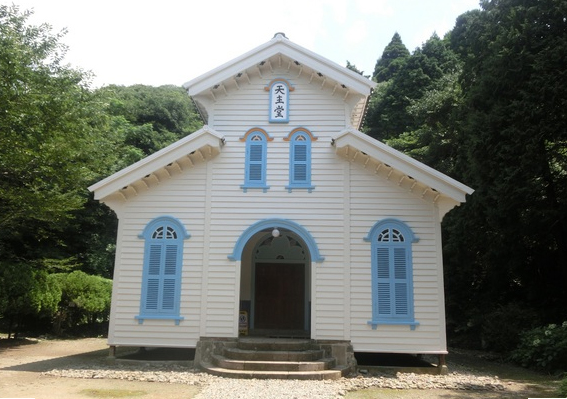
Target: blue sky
172, 41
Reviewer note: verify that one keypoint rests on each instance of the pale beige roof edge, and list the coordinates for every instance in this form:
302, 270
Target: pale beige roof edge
202, 138
280, 44
411, 167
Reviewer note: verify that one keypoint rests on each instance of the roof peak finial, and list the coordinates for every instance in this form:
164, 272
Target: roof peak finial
280, 35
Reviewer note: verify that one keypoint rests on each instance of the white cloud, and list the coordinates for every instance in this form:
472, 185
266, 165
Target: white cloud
375, 7
172, 41
356, 33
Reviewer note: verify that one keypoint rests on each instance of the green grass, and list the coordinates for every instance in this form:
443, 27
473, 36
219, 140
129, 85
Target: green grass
112, 393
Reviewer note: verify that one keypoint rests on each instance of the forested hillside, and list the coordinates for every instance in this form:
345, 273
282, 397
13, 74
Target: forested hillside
58, 136
486, 104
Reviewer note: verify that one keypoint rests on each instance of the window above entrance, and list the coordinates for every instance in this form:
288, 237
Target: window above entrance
282, 248
256, 159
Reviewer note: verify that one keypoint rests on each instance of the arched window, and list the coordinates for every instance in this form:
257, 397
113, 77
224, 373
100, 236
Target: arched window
256, 159
300, 159
392, 273
163, 259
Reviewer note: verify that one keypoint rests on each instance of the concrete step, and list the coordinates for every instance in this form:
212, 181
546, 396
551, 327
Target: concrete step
333, 374
273, 355
274, 344
264, 365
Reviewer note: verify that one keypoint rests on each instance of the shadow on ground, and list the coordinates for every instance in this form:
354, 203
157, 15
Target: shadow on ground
6, 343
390, 360
161, 354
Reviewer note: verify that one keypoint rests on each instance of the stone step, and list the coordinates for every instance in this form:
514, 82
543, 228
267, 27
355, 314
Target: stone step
333, 374
273, 355
263, 365
274, 344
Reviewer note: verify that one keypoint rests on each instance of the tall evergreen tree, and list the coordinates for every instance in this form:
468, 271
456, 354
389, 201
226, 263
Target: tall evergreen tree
392, 59
388, 115
508, 244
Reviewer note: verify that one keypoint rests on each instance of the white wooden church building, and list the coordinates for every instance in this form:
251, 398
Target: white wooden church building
281, 208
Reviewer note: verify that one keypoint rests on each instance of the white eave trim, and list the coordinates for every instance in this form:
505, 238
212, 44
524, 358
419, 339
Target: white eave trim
201, 138
405, 164
280, 45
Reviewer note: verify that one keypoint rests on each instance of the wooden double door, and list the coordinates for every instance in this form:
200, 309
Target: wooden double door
280, 298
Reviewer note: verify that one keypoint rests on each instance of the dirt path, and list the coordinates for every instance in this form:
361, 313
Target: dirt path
21, 375
21, 368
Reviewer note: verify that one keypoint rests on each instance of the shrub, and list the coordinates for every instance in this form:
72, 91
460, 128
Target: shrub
85, 299
543, 348
562, 390
500, 331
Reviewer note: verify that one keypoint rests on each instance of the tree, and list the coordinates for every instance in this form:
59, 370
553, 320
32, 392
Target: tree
54, 143
158, 116
84, 299
353, 68
434, 141
409, 78
393, 58
514, 153
48, 123
26, 291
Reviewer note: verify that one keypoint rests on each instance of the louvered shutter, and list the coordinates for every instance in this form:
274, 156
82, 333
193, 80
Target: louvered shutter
154, 278
169, 278
255, 163
383, 282
392, 285
392, 279
300, 163
401, 294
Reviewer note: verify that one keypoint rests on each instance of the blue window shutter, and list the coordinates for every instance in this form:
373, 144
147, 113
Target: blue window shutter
152, 294
255, 162
171, 260
383, 256
162, 270
153, 278
401, 282
169, 281
392, 286
300, 161
255, 167
168, 298
154, 260
401, 298
383, 282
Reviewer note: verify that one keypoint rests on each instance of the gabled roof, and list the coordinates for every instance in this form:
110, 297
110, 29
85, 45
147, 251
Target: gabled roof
280, 52
400, 168
197, 147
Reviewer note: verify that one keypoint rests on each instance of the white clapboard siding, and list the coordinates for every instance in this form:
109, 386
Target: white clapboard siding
346, 202
373, 199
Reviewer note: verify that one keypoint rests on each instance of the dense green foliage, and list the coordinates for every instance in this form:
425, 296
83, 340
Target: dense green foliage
83, 299
150, 118
58, 137
512, 150
48, 122
487, 105
543, 348
562, 391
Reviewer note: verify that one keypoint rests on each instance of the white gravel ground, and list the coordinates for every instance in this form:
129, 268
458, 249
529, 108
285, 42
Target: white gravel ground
222, 388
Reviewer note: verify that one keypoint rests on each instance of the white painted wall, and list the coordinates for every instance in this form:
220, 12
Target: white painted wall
345, 204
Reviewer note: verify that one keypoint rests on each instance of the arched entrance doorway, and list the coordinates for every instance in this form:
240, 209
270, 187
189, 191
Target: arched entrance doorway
280, 287
275, 277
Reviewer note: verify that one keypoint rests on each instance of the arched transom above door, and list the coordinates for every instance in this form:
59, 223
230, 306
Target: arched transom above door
311, 249
285, 247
